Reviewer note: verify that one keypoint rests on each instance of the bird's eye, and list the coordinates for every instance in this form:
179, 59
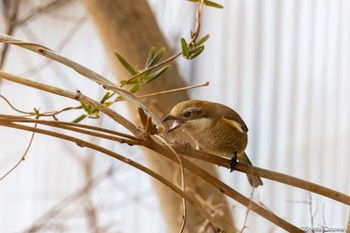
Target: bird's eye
188, 114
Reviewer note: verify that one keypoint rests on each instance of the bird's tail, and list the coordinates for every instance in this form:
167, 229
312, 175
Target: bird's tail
254, 181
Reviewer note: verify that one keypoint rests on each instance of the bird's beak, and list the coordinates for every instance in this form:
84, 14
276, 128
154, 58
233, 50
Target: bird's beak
177, 122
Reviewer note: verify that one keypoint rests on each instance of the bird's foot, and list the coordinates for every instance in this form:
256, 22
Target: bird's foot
233, 162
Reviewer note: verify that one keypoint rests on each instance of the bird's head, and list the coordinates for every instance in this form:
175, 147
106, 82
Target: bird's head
191, 114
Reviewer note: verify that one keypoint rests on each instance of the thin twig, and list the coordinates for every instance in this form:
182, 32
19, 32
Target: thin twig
311, 213
172, 90
22, 157
13, 107
11, 20
42, 8
348, 226
156, 65
197, 27
56, 209
247, 214
183, 182
121, 137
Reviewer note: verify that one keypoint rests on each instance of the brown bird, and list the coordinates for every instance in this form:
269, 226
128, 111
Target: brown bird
216, 129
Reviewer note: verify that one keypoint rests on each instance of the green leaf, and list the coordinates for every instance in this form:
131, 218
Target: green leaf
157, 57
93, 111
195, 49
193, 0
184, 48
202, 40
150, 56
134, 88
85, 107
79, 118
131, 70
36, 111
105, 97
213, 4
134, 80
199, 51
156, 74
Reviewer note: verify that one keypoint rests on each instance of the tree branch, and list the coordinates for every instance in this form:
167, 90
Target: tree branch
75, 96
268, 174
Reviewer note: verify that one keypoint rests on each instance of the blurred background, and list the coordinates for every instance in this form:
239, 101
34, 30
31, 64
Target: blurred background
284, 65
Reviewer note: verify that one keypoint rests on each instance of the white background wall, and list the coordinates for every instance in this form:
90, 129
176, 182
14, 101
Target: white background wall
282, 64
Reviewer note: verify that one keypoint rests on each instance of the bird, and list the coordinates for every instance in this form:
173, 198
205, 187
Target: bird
215, 128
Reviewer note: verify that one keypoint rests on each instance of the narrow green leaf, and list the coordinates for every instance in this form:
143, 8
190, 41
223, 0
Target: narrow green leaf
202, 40
150, 56
184, 48
85, 107
36, 111
193, 55
93, 111
134, 88
124, 82
131, 81
213, 4
157, 56
127, 66
79, 118
105, 97
193, 0
156, 74
195, 49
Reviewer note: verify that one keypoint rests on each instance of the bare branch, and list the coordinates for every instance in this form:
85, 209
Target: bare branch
79, 128
197, 28
10, 15
45, 7
13, 107
22, 158
75, 96
172, 90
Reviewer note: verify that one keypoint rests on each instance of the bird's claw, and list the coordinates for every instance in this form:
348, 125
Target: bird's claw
233, 162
